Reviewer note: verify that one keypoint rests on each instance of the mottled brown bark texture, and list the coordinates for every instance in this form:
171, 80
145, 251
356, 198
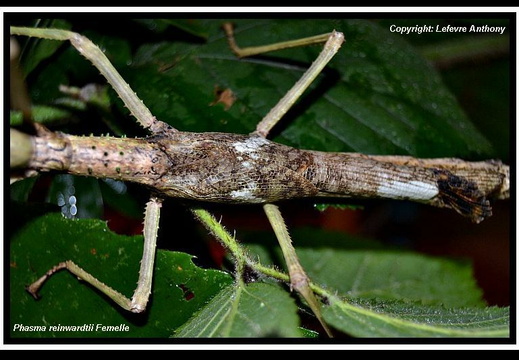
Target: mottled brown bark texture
233, 168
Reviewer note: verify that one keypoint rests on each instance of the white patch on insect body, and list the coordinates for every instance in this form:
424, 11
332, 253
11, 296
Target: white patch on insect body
413, 190
250, 145
246, 193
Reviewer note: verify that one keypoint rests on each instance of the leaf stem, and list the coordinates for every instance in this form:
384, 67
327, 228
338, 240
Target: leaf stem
219, 231
240, 255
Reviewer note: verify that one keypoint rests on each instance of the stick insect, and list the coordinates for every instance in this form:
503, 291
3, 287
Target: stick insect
245, 172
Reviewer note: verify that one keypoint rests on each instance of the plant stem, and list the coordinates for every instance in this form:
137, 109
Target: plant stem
219, 231
306, 289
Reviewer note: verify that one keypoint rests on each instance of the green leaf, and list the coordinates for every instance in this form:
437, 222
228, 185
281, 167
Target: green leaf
392, 274
180, 288
365, 269
253, 310
19, 190
41, 114
402, 319
379, 291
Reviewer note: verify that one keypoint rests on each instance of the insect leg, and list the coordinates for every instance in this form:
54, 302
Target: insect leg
333, 40
298, 278
141, 295
96, 56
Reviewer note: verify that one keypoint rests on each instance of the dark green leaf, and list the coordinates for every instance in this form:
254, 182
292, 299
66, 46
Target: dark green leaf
362, 268
180, 288
191, 26
393, 275
20, 190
